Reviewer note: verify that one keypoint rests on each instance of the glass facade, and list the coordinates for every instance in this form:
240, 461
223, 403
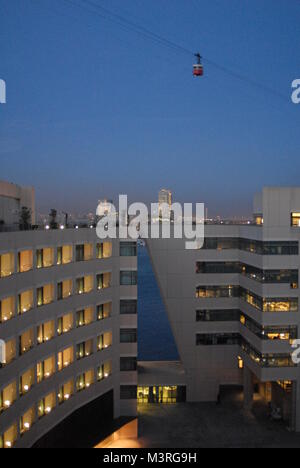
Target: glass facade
262, 276
278, 332
215, 292
221, 315
161, 395
252, 246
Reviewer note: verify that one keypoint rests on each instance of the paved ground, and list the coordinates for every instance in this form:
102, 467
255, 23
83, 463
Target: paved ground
202, 425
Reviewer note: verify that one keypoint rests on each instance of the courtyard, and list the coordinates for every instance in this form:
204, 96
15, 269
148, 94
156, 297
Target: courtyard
208, 425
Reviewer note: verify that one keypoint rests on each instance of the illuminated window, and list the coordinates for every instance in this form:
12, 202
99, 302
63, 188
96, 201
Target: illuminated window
104, 341
65, 358
240, 363
7, 264
286, 385
85, 380
103, 281
84, 252
64, 255
64, 289
88, 251
65, 324
104, 250
296, 219
84, 317
8, 396
280, 305
46, 405
27, 420
25, 261
10, 351
104, 311
84, 349
45, 332
26, 341
45, 369
104, 371
160, 395
9, 438
26, 382
85, 285
65, 392
7, 309
45, 295
25, 302
45, 258
259, 220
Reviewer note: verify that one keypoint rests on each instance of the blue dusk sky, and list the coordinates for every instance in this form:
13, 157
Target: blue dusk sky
94, 109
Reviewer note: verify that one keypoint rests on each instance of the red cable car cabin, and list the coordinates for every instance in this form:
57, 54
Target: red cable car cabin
198, 70
198, 67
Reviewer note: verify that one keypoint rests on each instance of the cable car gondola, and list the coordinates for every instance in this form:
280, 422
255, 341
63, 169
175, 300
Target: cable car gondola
198, 67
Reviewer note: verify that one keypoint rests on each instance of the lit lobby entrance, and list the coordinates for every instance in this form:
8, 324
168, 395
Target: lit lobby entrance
161, 395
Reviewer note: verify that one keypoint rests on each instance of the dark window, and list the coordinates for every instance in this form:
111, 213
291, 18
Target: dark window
128, 364
128, 249
128, 392
218, 339
128, 335
59, 291
79, 253
80, 286
128, 307
39, 258
230, 315
59, 255
128, 278
217, 267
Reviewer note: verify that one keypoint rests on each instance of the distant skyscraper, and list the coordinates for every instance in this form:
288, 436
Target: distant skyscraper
164, 197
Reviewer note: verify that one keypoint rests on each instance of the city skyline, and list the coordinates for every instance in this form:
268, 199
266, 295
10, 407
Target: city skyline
70, 117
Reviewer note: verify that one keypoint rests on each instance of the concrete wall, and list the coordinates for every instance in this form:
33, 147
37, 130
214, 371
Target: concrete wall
12, 199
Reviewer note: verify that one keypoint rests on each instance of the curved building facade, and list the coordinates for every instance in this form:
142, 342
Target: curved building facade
68, 328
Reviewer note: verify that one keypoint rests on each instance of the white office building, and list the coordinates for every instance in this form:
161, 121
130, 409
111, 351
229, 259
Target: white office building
68, 321
234, 304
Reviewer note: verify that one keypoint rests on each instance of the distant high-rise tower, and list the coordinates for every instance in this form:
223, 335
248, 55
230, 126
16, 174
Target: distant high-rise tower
164, 197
